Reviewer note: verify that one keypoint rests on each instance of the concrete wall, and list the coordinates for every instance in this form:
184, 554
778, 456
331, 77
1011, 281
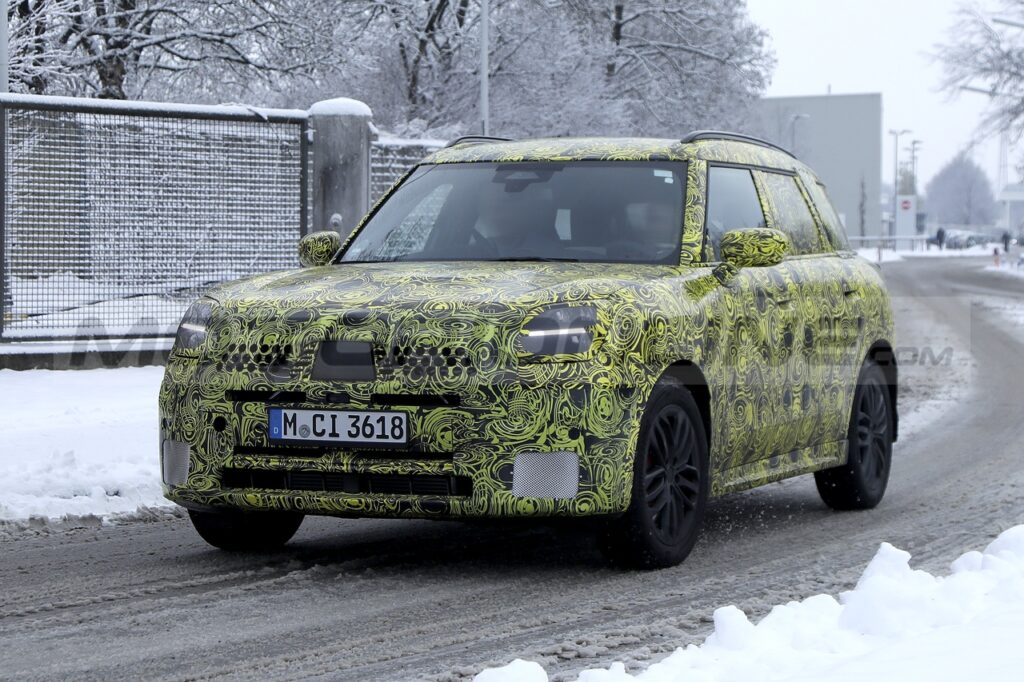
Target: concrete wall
840, 137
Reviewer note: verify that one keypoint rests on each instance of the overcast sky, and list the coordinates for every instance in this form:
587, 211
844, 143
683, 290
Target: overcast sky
880, 46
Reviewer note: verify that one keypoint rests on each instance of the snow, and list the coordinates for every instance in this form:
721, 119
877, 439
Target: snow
898, 623
64, 346
388, 140
340, 106
81, 442
120, 106
968, 252
1009, 266
887, 255
871, 253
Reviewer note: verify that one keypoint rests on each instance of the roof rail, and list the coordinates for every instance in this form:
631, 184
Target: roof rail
476, 139
738, 137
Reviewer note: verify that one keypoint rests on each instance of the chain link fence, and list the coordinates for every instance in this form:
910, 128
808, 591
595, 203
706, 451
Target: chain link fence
115, 217
390, 158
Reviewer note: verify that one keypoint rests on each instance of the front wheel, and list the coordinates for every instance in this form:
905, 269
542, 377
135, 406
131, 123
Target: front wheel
670, 484
245, 531
861, 482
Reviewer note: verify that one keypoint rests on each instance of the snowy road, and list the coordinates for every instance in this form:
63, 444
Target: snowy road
394, 600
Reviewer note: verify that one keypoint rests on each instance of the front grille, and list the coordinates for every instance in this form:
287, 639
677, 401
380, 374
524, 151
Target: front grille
421, 361
249, 357
317, 481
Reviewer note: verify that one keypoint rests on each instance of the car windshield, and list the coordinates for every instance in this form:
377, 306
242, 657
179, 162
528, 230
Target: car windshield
622, 212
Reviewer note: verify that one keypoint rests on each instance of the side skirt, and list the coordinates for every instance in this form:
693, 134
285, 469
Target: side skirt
804, 461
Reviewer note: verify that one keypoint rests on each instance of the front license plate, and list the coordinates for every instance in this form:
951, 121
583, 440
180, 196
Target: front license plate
335, 426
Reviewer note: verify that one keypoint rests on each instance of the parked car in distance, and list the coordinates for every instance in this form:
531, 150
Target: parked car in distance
592, 327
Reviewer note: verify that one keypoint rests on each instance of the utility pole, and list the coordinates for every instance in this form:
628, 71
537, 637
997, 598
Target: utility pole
485, 66
914, 146
895, 175
5, 59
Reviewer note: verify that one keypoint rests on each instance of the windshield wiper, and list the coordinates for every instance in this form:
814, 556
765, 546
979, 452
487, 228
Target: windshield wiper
533, 259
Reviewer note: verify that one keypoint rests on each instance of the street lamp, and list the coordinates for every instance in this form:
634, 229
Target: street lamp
912, 148
485, 67
792, 129
895, 174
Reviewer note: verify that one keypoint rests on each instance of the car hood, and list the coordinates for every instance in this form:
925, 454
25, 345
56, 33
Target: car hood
439, 284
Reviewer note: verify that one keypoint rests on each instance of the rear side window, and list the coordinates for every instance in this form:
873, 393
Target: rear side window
830, 220
792, 214
732, 204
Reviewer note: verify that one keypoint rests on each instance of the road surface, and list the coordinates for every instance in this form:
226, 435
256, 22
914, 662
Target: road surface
399, 600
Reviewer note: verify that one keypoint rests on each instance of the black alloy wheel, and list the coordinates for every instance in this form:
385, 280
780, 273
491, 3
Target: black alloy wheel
861, 482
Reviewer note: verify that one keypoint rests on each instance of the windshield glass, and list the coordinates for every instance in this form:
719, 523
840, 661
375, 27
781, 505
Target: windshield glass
622, 212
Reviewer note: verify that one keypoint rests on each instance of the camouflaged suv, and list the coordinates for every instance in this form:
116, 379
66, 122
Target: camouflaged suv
617, 328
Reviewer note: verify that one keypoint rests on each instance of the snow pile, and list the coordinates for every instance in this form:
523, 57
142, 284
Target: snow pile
897, 624
79, 442
340, 106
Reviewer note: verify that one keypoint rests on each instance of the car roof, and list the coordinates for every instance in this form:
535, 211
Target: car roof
557, 149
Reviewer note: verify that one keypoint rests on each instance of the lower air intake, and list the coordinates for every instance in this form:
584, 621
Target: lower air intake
357, 484
554, 475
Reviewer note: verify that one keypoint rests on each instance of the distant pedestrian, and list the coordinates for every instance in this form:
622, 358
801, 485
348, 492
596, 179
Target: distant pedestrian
1006, 242
940, 237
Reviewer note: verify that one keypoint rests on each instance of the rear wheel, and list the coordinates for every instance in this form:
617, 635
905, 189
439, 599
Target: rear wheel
670, 484
861, 482
245, 531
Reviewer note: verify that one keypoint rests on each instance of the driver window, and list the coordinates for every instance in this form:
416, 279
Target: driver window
732, 204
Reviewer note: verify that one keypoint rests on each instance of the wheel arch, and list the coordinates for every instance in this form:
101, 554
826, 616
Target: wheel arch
882, 354
692, 377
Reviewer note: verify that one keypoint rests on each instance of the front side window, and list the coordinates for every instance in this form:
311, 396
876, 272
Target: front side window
833, 225
792, 214
732, 204
627, 212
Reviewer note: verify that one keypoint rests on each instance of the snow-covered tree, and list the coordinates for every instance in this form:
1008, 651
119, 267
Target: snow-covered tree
960, 194
981, 55
123, 48
557, 67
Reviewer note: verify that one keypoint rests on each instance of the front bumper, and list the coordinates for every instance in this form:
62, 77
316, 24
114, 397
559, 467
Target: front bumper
467, 448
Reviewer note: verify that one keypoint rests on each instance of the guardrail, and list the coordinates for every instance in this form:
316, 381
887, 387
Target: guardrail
908, 243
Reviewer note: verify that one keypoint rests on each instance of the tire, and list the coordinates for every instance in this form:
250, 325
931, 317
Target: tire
237, 531
861, 482
663, 521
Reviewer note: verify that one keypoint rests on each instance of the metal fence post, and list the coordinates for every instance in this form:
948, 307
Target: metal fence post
341, 163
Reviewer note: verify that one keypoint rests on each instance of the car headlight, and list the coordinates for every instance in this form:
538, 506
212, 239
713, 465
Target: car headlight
192, 330
565, 330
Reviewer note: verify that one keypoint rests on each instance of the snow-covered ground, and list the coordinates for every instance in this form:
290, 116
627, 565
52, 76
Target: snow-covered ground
888, 255
79, 442
896, 624
876, 256
1009, 266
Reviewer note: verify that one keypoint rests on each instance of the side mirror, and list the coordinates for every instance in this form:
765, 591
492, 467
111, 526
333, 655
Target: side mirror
755, 247
318, 248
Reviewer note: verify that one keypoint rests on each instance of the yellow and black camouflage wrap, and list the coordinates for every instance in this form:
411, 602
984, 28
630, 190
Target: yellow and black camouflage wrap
772, 354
